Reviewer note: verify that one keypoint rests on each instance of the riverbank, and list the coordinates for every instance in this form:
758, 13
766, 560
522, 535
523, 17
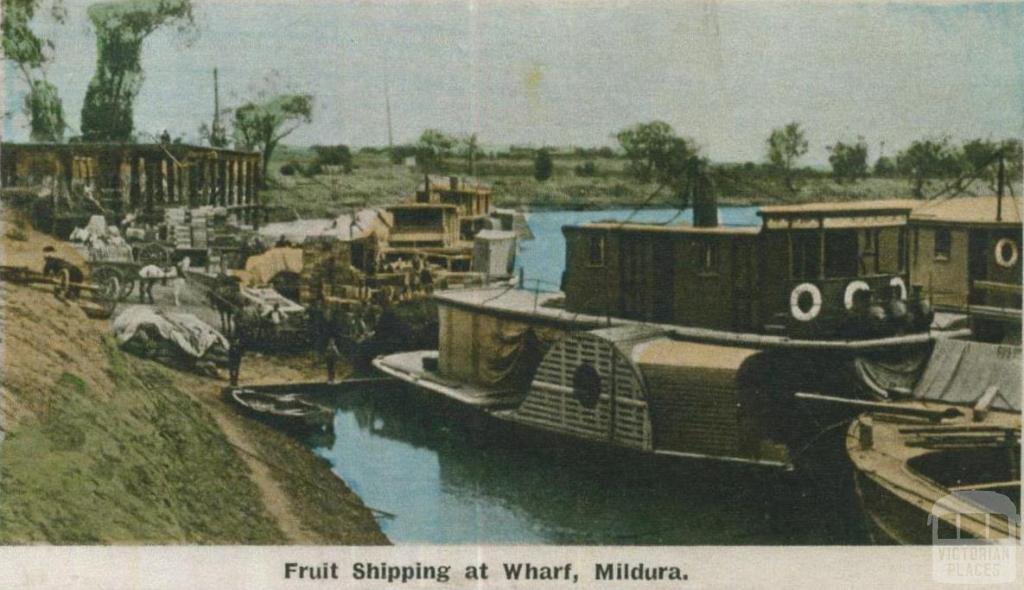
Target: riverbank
375, 181
103, 447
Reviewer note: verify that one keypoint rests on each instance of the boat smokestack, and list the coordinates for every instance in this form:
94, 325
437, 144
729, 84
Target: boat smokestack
705, 210
702, 195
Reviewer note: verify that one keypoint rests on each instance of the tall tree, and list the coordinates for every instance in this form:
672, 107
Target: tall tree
432, 149
786, 145
121, 28
928, 159
262, 125
849, 161
657, 154
648, 147
30, 53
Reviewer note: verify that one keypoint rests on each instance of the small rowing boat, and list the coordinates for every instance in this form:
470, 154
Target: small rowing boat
285, 411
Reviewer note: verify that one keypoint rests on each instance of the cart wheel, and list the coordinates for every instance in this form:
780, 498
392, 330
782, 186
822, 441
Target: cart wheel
153, 253
60, 289
106, 277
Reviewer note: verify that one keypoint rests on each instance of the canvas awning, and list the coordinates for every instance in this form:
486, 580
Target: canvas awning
959, 372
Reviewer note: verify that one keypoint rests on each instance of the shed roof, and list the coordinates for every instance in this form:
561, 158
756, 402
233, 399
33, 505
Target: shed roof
92, 147
969, 211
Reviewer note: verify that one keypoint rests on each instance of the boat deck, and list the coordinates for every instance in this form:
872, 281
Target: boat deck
408, 367
898, 499
542, 307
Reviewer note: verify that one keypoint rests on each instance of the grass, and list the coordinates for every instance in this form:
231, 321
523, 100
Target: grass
143, 463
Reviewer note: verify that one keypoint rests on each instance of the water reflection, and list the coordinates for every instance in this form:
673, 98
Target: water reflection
453, 477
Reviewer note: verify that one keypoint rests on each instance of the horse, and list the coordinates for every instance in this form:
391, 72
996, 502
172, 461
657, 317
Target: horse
226, 297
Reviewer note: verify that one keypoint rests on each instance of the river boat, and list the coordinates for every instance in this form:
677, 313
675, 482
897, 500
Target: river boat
690, 341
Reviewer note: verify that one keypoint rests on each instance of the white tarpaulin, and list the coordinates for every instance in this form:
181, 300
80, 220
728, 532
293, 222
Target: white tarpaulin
365, 223
193, 336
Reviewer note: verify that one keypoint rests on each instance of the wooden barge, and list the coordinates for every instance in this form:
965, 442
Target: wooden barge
956, 478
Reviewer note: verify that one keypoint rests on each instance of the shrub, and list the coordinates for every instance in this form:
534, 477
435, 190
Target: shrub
543, 166
586, 169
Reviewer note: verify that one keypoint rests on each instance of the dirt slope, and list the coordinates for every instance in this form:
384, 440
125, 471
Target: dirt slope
102, 447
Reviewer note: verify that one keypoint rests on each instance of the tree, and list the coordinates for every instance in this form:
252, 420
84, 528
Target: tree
657, 154
262, 124
334, 155
849, 161
469, 149
30, 54
432, 149
543, 165
121, 29
647, 145
884, 167
785, 146
927, 159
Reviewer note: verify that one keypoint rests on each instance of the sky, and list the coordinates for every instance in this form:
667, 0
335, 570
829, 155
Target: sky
573, 72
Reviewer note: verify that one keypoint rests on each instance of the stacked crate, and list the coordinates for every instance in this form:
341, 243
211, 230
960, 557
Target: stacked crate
200, 223
328, 263
178, 231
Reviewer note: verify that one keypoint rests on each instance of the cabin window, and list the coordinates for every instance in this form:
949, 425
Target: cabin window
806, 255
869, 252
943, 244
708, 257
841, 254
901, 250
596, 251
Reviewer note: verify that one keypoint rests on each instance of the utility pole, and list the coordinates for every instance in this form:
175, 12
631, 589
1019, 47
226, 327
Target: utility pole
217, 136
387, 107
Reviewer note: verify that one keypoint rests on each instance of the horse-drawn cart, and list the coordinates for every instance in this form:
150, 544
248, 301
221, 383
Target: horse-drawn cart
97, 298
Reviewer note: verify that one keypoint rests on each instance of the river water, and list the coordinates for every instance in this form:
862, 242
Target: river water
449, 478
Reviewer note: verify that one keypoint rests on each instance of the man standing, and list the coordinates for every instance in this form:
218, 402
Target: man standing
331, 355
234, 359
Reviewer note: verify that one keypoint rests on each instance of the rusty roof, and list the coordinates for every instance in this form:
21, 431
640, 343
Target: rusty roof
832, 209
969, 210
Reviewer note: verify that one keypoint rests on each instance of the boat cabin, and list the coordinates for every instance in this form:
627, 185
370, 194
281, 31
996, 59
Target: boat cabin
473, 200
805, 272
965, 256
122, 178
424, 225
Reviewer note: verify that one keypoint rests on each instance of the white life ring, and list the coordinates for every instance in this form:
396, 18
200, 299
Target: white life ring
1006, 261
898, 283
794, 302
851, 290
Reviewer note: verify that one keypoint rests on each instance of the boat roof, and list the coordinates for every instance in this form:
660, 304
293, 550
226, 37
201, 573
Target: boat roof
959, 372
839, 209
422, 206
969, 211
732, 230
